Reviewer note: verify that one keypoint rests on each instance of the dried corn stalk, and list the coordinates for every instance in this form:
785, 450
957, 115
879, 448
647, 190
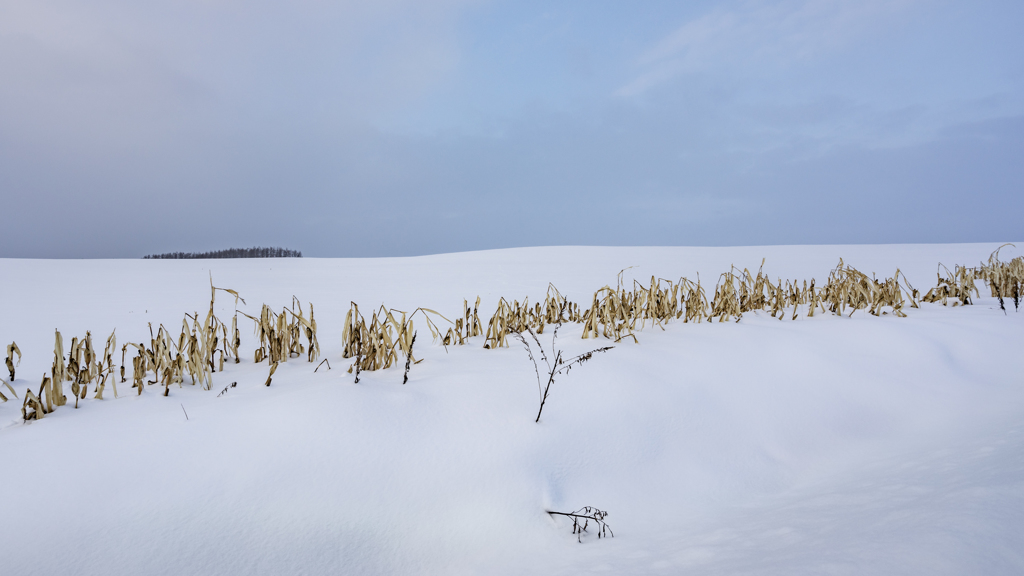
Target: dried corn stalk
307, 327
13, 393
377, 344
12, 349
1004, 279
33, 408
59, 371
957, 286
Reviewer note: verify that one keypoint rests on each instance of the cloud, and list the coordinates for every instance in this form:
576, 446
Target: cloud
113, 64
757, 35
128, 128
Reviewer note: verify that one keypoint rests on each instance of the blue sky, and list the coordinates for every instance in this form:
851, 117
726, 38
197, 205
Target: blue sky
402, 128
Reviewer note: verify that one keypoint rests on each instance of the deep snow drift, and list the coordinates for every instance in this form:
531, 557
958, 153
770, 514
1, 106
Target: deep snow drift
858, 445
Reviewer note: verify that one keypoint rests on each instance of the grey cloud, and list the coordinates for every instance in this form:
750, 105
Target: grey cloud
130, 129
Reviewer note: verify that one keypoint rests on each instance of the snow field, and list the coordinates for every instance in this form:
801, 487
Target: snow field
821, 445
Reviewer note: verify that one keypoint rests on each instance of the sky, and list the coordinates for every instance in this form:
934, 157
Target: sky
401, 127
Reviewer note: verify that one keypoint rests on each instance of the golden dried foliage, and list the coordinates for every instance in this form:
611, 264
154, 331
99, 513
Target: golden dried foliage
376, 345
281, 338
1005, 279
380, 341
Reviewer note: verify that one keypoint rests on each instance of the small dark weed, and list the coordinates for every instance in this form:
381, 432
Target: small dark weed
582, 518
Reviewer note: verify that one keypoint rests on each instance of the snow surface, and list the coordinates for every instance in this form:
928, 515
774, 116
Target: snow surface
825, 445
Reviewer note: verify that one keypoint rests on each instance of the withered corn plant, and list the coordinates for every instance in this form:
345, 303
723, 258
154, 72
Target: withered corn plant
200, 350
376, 345
12, 349
33, 408
1005, 279
516, 317
280, 338
195, 352
850, 288
59, 370
468, 326
107, 367
957, 286
84, 367
504, 320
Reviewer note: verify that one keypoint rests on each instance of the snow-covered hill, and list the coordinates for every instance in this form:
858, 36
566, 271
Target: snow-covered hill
839, 445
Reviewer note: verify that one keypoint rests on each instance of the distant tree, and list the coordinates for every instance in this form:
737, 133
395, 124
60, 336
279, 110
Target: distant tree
254, 252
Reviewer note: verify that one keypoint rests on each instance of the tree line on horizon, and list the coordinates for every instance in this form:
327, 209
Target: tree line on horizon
254, 252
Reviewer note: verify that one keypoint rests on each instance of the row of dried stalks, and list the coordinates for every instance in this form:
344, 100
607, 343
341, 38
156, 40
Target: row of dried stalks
200, 349
618, 312
83, 367
376, 344
385, 338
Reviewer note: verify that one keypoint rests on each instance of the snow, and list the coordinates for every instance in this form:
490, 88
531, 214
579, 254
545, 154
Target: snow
825, 445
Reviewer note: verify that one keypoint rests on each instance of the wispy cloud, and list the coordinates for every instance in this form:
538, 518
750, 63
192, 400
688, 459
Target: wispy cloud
755, 35
347, 59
